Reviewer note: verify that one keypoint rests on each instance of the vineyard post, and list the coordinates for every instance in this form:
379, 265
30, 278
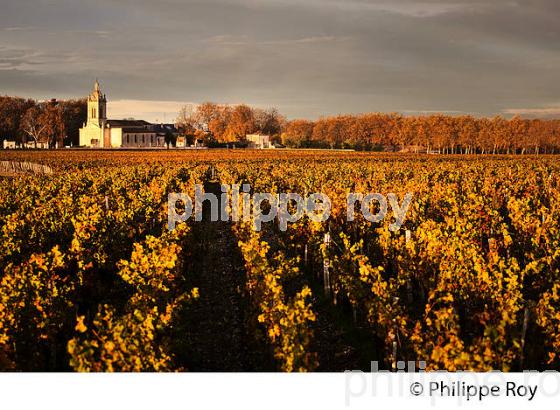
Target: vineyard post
106, 202
409, 294
394, 355
492, 245
526, 315
326, 265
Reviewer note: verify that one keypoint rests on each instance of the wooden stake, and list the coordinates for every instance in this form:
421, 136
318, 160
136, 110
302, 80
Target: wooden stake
326, 265
526, 315
326, 278
394, 361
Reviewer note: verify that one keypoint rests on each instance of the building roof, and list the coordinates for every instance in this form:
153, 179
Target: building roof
127, 123
137, 130
165, 127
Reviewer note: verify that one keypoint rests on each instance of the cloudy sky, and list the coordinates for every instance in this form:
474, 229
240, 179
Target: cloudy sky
306, 57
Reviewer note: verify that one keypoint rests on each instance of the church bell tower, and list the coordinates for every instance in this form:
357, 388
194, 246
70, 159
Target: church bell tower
97, 107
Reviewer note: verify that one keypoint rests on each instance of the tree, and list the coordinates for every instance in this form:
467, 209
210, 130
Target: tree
401, 130
518, 130
170, 138
484, 137
500, 134
218, 125
298, 133
206, 113
186, 120
467, 132
74, 114
269, 121
241, 123
52, 118
535, 135
319, 136
361, 132
12, 110
33, 125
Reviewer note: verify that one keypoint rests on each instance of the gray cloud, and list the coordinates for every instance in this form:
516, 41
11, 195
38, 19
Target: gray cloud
319, 57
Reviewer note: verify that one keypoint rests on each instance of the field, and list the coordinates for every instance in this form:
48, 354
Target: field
92, 279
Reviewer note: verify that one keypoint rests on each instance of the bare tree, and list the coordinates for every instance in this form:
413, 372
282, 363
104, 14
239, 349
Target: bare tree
33, 125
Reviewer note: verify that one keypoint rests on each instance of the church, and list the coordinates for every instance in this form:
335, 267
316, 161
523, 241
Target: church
99, 132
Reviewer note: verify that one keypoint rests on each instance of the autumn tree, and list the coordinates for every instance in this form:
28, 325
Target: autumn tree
362, 132
219, 124
12, 110
518, 129
53, 120
74, 115
269, 121
298, 133
319, 137
241, 123
186, 121
466, 133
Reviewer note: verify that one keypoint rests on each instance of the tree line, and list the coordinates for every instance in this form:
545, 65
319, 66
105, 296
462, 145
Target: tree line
53, 122
434, 133
57, 123
376, 131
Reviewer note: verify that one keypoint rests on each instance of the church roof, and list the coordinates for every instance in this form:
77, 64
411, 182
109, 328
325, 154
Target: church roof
138, 131
127, 123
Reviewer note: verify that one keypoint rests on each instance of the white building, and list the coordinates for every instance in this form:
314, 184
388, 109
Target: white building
99, 132
259, 141
9, 144
38, 145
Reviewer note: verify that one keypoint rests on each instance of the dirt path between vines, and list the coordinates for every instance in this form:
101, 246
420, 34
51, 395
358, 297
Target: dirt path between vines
216, 327
214, 333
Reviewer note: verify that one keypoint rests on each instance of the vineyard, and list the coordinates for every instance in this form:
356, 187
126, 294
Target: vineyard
92, 279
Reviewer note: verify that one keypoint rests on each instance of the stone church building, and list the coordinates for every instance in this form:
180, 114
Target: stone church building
99, 132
